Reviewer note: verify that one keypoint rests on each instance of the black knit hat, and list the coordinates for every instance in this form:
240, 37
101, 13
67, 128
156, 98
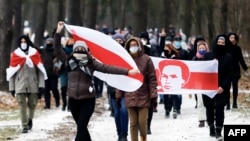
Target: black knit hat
145, 35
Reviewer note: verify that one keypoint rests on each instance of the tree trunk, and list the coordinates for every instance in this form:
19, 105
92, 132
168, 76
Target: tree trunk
187, 17
18, 24
41, 22
224, 12
140, 16
74, 12
91, 13
6, 36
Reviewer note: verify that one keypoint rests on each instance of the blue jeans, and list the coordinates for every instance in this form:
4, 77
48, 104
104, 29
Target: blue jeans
121, 117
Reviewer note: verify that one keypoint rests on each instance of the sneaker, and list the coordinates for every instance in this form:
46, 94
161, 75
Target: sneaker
174, 115
25, 130
228, 107
30, 124
202, 123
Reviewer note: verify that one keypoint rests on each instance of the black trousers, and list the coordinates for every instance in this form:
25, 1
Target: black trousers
215, 109
51, 84
82, 111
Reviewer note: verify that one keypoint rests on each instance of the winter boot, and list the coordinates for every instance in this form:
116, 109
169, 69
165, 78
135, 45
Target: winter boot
235, 105
167, 114
25, 130
149, 131
218, 132
202, 123
143, 138
212, 131
174, 115
30, 124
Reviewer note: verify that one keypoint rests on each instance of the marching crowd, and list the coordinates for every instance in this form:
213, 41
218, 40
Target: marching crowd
36, 72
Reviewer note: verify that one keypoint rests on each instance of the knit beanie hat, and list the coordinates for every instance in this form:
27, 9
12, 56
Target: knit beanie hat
118, 36
80, 44
50, 40
145, 35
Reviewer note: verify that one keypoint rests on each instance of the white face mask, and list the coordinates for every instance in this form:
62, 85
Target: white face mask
143, 42
24, 46
134, 49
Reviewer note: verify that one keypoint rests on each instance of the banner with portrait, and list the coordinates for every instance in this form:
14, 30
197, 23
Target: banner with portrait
186, 77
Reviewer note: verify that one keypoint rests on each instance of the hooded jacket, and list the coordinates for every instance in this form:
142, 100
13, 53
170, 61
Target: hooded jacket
225, 69
142, 96
237, 57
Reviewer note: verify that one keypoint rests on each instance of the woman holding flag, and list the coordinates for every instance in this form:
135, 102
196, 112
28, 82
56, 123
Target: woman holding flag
80, 66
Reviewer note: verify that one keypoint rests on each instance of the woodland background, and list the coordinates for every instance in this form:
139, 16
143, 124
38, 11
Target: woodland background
194, 17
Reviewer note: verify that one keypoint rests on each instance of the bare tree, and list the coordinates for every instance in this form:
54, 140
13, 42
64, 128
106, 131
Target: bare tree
140, 16
41, 21
91, 13
74, 12
6, 36
17, 22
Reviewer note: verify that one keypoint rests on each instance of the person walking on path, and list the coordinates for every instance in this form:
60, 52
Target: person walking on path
139, 101
237, 61
26, 75
82, 96
215, 106
202, 49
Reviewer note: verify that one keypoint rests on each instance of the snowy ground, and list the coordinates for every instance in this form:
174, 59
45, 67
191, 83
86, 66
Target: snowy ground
56, 125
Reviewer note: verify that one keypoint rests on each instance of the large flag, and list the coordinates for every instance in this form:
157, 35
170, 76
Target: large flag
108, 51
186, 77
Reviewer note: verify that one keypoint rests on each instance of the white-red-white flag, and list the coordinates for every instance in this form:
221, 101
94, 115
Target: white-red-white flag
186, 77
108, 51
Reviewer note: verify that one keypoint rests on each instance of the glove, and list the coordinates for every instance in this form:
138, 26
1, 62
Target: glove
118, 102
13, 93
40, 93
154, 103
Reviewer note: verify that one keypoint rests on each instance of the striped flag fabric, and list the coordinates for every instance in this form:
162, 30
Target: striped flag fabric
108, 51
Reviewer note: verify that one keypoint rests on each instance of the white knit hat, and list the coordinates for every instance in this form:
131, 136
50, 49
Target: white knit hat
80, 44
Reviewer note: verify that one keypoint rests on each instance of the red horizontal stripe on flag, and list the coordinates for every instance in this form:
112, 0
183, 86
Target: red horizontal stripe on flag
202, 80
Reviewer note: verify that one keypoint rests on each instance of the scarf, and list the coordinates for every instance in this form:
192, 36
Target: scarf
19, 58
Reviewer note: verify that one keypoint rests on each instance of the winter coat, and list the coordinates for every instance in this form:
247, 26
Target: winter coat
237, 57
79, 82
141, 97
27, 80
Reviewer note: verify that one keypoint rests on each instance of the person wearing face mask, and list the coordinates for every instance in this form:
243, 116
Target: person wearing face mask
51, 84
26, 75
215, 106
202, 49
144, 36
170, 100
81, 93
183, 55
63, 75
118, 107
139, 101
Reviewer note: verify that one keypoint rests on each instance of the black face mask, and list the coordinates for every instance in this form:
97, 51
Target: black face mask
49, 46
70, 46
221, 49
166, 52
